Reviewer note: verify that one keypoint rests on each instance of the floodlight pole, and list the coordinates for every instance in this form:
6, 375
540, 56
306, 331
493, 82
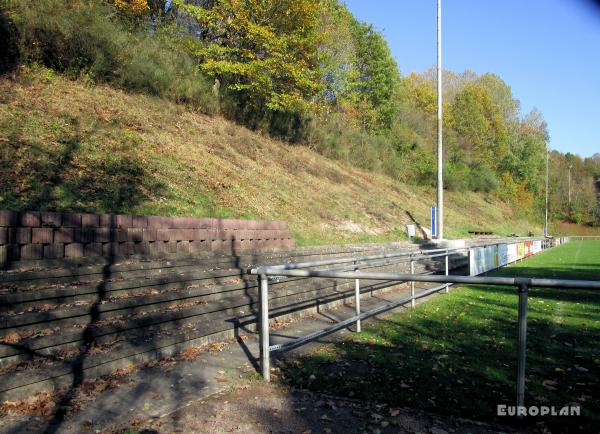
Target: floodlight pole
547, 192
440, 159
570, 166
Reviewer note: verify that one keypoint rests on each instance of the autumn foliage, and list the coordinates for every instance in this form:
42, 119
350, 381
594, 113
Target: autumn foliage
134, 7
309, 72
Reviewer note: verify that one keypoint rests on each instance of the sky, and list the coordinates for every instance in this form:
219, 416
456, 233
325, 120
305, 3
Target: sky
547, 51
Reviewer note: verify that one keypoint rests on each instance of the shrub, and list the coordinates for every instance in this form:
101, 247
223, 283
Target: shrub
483, 179
87, 38
337, 138
456, 176
9, 48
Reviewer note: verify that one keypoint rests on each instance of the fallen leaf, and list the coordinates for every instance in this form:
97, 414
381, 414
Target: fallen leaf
376, 417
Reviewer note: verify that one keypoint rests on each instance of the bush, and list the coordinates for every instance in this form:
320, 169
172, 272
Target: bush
456, 176
483, 179
87, 38
335, 137
9, 49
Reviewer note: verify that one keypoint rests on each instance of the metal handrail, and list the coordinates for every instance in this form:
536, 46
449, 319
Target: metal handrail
355, 266
523, 285
351, 259
468, 280
293, 266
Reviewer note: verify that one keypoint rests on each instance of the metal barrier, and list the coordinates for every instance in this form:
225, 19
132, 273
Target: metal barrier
584, 237
352, 272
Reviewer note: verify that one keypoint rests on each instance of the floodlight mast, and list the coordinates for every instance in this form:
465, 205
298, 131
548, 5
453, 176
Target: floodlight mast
440, 156
547, 191
570, 167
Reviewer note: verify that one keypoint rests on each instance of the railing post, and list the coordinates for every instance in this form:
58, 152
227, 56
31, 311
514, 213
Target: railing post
412, 282
469, 261
523, 289
265, 362
446, 257
357, 297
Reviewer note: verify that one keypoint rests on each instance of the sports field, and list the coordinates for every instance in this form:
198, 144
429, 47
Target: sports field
457, 353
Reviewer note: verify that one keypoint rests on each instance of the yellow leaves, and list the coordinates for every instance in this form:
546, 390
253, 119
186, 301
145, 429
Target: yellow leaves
422, 94
134, 7
265, 49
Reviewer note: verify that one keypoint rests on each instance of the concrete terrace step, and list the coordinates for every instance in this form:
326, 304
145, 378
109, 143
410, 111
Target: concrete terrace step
76, 273
98, 316
25, 270
176, 279
138, 301
146, 346
143, 316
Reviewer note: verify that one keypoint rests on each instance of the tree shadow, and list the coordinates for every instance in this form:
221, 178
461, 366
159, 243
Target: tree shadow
251, 298
77, 366
9, 49
57, 179
417, 224
143, 334
444, 361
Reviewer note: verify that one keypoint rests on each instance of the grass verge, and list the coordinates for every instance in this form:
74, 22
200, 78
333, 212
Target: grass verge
456, 354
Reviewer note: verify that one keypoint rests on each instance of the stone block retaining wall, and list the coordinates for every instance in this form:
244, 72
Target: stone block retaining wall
32, 235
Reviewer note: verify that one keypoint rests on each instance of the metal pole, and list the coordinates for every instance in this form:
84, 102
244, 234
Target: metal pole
357, 299
469, 254
522, 344
412, 283
265, 361
440, 159
447, 284
547, 193
570, 166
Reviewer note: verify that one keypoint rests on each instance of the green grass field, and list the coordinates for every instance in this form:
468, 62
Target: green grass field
456, 354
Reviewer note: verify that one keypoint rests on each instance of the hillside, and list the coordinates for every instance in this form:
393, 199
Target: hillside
72, 146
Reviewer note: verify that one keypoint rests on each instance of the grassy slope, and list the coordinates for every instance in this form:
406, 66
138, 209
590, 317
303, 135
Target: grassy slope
456, 354
71, 146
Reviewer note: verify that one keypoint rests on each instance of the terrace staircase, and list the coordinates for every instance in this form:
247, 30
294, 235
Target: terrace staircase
64, 320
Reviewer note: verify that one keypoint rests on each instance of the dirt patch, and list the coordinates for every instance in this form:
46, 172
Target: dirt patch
256, 407
351, 227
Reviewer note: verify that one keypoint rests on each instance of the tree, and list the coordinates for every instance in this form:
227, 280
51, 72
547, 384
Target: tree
501, 95
422, 94
133, 7
377, 85
336, 53
479, 121
266, 50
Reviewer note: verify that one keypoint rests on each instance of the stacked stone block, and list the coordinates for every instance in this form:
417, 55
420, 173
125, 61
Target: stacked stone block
32, 235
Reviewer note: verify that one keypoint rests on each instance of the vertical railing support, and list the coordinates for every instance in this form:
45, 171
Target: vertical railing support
523, 289
265, 361
470, 273
412, 282
357, 297
446, 257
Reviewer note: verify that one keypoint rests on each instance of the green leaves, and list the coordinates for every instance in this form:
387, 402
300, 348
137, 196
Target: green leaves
475, 116
265, 49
